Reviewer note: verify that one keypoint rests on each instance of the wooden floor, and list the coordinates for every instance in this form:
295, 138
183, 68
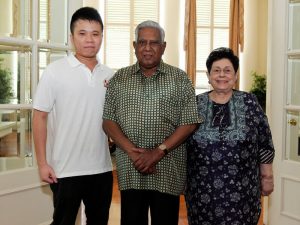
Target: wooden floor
10, 144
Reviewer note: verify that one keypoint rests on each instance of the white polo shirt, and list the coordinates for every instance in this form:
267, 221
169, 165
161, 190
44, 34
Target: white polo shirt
74, 98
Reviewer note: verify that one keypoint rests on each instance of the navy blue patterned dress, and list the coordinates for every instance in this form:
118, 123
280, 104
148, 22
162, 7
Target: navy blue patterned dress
224, 155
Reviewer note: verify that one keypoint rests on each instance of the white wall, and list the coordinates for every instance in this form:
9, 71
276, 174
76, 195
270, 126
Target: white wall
254, 57
23, 199
91, 3
171, 22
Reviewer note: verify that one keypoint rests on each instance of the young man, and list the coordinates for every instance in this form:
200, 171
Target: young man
150, 109
71, 148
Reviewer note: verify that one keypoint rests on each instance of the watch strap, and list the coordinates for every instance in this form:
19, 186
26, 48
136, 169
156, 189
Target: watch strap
164, 148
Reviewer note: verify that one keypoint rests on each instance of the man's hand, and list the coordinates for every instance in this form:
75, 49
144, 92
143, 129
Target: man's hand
147, 159
47, 174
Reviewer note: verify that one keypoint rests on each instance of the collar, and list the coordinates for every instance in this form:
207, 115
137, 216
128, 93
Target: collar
74, 62
161, 67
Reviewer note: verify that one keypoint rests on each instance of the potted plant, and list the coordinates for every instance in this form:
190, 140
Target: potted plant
259, 88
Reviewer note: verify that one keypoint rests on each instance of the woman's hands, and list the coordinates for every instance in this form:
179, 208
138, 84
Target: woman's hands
266, 179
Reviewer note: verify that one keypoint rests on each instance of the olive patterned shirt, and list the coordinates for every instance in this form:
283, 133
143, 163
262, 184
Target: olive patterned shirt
148, 110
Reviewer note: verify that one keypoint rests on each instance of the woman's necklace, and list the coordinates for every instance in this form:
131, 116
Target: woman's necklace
219, 114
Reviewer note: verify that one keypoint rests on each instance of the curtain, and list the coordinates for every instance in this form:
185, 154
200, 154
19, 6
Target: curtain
190, 39
236, 29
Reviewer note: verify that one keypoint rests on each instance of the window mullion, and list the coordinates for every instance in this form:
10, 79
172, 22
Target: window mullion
212, 24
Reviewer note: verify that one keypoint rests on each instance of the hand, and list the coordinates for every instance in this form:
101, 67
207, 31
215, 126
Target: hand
266, 179
151, 170
47, 174
267, 185
146, 161
105, 82
134, 155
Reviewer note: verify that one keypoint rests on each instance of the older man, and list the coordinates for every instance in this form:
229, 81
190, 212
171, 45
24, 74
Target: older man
150, 109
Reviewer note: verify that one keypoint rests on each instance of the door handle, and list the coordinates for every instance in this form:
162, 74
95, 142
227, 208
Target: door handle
292, 122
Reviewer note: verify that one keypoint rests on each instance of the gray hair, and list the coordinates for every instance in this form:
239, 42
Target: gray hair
149, 24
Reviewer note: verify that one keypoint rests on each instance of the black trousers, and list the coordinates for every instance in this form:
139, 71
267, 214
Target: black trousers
135, 205
94, 190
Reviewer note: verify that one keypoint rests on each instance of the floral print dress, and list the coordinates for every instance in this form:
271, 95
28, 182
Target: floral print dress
224, 155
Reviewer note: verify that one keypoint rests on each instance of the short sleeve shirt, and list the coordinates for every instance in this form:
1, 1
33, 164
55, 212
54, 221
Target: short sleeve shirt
74, 97
148, 110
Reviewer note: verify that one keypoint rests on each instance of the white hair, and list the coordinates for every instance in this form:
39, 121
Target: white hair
150, 24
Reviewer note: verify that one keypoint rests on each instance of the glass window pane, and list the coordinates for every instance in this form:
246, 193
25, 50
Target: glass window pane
118, 51
15, 139
117, 11
121, 18
202, 81
221, 38
15, 19
15, 64
53, 21
212, 32
203, 12
293, 79
47, 56
141, 15
221, 13
203, 47
294, 21
293, 136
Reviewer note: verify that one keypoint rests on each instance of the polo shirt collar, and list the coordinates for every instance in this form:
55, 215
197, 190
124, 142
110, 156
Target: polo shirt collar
74, 62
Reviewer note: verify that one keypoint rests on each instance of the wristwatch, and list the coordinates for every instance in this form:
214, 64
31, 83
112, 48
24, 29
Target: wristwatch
164, 148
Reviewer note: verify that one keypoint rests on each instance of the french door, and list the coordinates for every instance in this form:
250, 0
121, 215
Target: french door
284, 110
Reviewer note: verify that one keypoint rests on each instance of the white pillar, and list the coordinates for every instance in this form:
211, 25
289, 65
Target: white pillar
91, 3
171, 21
6, 20
254, 57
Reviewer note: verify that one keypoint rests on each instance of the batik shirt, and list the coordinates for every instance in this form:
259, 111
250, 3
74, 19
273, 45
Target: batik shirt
148, 110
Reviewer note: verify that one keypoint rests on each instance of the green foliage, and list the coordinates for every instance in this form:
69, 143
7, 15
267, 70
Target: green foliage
259, 88
6, 92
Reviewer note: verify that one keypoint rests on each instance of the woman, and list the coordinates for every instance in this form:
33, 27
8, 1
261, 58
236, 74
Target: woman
230, 155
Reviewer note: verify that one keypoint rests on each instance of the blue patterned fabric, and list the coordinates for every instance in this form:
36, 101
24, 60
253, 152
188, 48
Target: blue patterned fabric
224, 155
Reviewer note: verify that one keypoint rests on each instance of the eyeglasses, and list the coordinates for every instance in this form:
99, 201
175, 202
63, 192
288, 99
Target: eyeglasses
152, 44
218, 71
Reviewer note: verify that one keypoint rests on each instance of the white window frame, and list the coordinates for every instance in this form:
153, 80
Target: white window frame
34, 44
